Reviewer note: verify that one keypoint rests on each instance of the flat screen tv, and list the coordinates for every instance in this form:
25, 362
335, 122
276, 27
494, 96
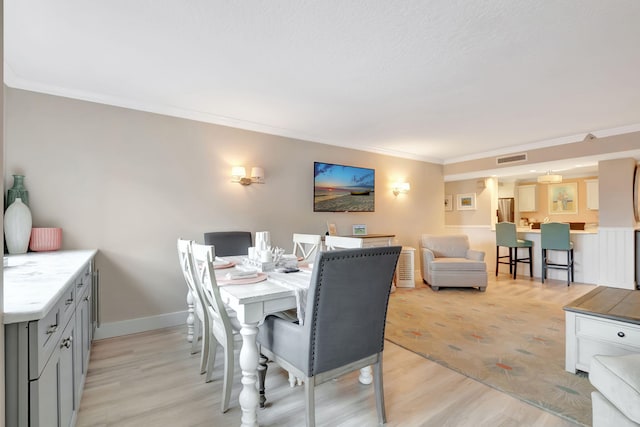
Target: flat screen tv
340, 188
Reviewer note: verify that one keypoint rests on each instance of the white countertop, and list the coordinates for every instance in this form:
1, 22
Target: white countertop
33, 282
587, 231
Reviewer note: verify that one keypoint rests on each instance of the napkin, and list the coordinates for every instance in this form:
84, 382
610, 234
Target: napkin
242, 274
220, 261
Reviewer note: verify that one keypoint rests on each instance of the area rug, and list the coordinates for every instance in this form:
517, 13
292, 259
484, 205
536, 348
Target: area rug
510, 340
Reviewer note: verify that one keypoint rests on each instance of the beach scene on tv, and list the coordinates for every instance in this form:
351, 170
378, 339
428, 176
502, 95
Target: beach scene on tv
339, 188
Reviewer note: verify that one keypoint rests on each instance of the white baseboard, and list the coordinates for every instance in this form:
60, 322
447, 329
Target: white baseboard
142, 324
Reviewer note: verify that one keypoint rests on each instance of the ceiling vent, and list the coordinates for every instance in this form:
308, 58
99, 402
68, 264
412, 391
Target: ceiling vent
513, 158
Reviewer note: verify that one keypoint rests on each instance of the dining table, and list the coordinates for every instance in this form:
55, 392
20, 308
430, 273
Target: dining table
254, 298
253, 302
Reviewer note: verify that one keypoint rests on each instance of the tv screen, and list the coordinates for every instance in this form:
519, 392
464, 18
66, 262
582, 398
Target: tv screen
340, 188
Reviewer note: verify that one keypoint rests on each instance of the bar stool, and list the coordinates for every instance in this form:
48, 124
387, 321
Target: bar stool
555, 237
506, 236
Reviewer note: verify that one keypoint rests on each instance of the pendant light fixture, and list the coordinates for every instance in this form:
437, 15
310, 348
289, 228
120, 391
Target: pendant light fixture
550, 178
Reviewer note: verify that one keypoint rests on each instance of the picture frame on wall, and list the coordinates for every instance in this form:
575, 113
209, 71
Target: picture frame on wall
332, 229
466, 202
359, 230
448, 202
563, 198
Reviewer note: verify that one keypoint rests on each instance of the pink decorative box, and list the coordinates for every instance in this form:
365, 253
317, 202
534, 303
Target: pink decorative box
45, 239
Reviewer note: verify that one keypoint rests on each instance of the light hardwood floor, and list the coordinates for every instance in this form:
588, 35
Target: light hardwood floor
150, 379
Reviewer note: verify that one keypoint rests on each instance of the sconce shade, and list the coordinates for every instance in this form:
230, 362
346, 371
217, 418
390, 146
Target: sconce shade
401, 187
237, 173
550, 178
257, 175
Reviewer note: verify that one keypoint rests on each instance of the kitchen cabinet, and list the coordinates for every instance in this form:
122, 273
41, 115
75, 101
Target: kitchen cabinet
52, 394
49, 324
84, 331
592, 194
527, 198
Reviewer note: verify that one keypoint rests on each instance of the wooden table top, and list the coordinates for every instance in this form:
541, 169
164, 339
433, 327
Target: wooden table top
611, 303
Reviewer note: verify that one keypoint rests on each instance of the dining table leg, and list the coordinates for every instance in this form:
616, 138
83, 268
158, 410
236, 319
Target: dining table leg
190, 317
249, 355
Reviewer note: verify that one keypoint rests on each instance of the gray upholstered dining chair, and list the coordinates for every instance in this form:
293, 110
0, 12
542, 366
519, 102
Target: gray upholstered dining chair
229, 242
223, 324
344, 326
201, 323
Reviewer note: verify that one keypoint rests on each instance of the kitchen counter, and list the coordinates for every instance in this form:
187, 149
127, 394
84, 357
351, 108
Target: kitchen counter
586, 251
34, 282
537, 230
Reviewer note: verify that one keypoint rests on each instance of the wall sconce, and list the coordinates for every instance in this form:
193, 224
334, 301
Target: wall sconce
239, 174
401, 188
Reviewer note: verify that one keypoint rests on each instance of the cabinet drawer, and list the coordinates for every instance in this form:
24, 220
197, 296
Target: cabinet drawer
67, 305
83, 283
43, 336
51, 396
608, 330
46, 332
588, 348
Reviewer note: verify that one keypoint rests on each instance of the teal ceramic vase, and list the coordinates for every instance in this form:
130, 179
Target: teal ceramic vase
18, 190
17, 227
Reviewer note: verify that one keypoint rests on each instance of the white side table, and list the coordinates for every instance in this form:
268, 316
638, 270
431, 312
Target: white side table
603, 321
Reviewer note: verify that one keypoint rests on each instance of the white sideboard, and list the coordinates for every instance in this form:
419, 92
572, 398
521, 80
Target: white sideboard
373, 240
49, 320
370, 240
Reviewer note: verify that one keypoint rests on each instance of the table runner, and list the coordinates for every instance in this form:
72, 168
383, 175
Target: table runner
297, 282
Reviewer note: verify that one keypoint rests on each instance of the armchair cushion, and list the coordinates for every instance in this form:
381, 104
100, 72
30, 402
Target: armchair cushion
475, 255
451, 246
617, 378
460, 264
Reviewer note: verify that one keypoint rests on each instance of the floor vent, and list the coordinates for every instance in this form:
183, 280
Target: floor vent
405, 268
513, 158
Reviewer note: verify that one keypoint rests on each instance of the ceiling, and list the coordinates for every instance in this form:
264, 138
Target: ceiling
436, 80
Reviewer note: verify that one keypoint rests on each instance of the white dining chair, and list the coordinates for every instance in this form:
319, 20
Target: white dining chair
199, 317
305, 245
223, 324
343, 242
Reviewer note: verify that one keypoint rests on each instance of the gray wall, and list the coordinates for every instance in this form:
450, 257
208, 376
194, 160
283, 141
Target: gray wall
616, 192
129, 183
479, 216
